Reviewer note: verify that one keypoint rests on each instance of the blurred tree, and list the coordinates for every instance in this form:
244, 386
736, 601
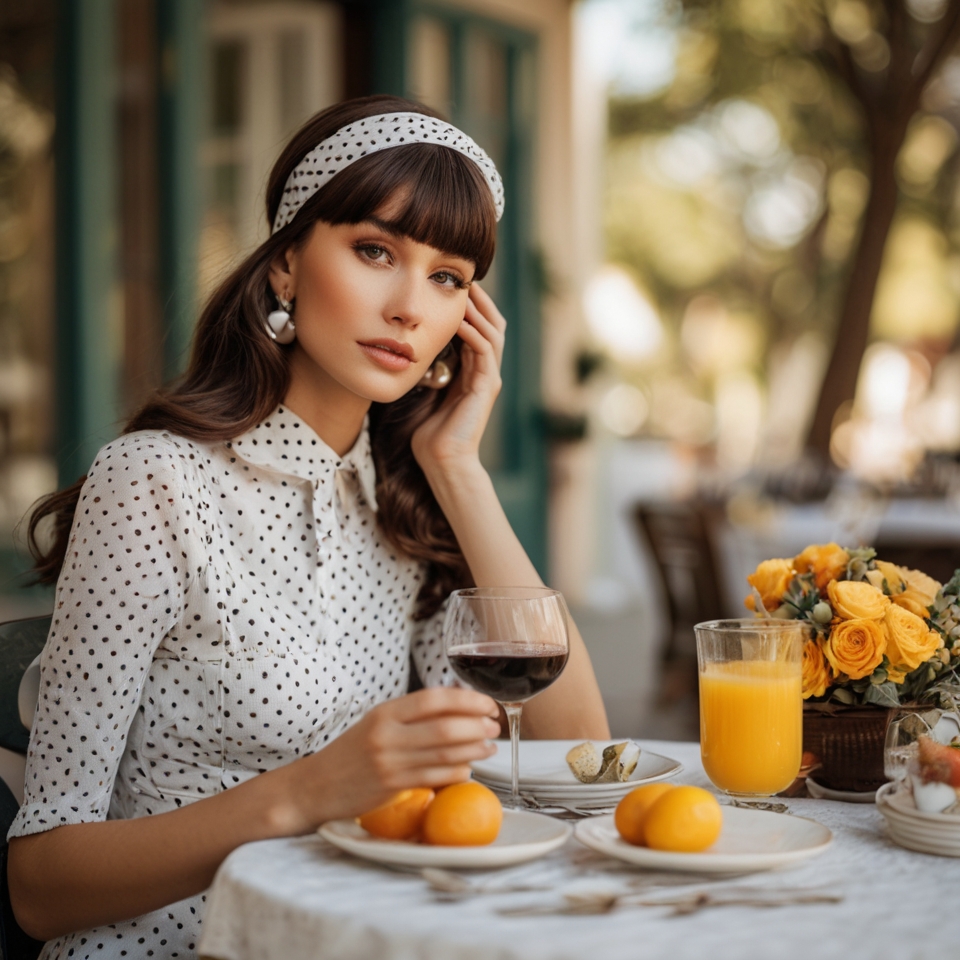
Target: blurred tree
886, 62
844, 81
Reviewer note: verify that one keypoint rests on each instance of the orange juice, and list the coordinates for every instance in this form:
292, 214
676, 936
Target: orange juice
751, 725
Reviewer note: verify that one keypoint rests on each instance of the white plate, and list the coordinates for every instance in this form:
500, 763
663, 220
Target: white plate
819, 792
523, 836
902, 802
750, 840
543, 767
936, 833
921, 845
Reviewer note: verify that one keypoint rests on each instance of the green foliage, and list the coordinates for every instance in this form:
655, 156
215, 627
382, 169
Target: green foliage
796, 61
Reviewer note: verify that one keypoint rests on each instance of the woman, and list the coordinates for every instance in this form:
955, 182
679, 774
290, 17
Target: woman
245, 573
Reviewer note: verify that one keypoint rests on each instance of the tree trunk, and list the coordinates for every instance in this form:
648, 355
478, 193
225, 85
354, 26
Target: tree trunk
853, 327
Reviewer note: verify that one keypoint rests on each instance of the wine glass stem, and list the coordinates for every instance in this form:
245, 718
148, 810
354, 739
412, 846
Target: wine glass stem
513, 711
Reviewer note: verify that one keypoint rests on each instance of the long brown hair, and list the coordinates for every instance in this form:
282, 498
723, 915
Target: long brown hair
237, 375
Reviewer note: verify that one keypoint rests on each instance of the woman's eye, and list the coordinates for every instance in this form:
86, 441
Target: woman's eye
449, 280
372, 252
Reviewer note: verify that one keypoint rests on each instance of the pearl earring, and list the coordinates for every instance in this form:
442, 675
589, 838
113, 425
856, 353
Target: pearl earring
437, 377
280, 325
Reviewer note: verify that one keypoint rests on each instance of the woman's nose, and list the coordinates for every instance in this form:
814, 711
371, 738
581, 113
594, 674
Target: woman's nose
407, 301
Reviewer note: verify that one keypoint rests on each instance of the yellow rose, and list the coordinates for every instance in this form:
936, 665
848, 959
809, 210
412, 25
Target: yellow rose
816, 675
893, 575
855, 647
910, 642
826, 561
770, 580
919, 593
852, 600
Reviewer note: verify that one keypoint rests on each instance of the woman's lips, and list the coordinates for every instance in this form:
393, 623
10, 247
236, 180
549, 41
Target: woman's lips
389, 354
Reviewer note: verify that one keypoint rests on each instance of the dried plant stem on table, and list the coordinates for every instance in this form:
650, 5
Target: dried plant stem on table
761, 805
451, 886
601, 903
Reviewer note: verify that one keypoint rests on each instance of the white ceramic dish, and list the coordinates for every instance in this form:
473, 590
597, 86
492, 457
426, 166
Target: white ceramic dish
544, 770
936, 833
820, 792
751, 840
523, 836
901, 802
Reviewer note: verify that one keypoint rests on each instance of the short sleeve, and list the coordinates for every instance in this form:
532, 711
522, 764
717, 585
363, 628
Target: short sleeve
120, 591
429, 660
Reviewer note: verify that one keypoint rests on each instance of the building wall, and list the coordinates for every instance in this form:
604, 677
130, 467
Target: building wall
567, 238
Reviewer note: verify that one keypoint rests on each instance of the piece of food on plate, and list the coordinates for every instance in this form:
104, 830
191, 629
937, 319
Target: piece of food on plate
619, 761
585, 761
684, 820
939, 762
663, 816
614, 765
631, 813
463, 815
937, 787
401, 817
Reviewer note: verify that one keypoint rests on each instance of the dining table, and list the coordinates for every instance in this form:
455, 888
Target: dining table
864, 896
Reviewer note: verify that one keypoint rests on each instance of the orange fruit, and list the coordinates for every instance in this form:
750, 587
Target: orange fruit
463, 815
401, 817
685, 819
631, 812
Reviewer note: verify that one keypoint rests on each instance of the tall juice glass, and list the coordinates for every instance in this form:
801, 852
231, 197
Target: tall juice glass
751, 705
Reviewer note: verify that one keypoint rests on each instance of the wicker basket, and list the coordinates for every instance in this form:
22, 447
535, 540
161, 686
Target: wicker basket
849, 743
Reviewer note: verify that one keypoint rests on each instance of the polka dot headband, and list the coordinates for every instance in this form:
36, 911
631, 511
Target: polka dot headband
371, 135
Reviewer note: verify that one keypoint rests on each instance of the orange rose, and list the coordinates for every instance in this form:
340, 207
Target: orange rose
855, 647
827, 561
770, 580
853, 600
910, 642
816, 675
919, 594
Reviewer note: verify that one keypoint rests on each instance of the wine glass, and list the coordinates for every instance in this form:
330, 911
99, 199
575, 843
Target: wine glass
907, 724
510, 643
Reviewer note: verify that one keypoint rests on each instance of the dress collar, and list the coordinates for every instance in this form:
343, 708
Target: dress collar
285, 443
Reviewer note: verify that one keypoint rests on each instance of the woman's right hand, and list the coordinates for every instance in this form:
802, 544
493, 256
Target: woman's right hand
425, 739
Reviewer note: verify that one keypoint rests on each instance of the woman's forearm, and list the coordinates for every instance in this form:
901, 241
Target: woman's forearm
572, 707
85, 875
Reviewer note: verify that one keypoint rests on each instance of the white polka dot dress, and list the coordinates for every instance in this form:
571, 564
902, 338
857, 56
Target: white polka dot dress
223, 609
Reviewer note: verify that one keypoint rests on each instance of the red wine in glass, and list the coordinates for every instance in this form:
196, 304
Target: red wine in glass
510, 643
508, 672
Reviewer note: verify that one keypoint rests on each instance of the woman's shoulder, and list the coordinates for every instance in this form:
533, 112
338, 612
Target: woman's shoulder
147, 446
152, 454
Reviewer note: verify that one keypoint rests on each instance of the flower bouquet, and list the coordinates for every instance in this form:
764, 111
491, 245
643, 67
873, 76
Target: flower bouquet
880, 636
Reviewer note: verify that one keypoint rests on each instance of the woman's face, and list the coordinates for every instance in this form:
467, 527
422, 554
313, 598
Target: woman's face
373, 309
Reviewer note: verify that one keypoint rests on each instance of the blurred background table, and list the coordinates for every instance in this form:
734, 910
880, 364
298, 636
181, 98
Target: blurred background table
301, 898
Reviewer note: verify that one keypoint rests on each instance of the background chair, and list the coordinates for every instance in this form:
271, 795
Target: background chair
20, 642
679, 535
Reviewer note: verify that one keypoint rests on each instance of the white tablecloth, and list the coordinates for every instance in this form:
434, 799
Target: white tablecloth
303, 900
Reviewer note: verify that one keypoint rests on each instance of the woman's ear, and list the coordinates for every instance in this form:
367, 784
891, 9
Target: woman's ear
283, 274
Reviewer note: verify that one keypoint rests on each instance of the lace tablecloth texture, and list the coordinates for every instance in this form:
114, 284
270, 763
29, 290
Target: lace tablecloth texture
300, 899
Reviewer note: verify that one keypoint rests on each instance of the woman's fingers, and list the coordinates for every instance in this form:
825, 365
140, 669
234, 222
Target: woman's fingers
486, 353
487, 307
488, 330
433, 776
441, 701
445, 731
448, 756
